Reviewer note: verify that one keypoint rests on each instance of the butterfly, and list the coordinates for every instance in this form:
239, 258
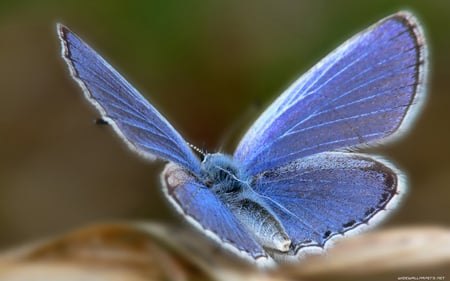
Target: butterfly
294, 182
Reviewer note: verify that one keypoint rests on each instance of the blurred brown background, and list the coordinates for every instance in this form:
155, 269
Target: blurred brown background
207, 66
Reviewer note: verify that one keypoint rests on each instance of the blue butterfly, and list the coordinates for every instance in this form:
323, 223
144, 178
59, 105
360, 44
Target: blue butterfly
293, 183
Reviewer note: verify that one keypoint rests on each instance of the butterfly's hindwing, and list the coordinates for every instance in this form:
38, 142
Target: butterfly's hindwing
327, 194
193, 199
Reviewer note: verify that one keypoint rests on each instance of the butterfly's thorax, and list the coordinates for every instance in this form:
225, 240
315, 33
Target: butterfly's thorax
223, 176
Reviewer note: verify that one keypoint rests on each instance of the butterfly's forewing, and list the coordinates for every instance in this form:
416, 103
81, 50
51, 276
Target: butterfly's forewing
329, 193
208, 213
357, 95
121, 105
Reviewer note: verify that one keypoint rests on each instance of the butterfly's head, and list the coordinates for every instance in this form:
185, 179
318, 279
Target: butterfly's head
221, 171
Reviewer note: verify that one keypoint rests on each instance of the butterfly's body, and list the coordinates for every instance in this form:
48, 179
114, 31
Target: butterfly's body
293, 183
223, 176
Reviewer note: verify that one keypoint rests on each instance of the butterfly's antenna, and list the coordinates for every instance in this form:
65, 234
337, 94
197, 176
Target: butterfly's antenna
202, 153
236, 126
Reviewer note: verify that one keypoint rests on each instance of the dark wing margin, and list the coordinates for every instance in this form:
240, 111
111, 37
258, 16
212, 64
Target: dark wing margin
133, 118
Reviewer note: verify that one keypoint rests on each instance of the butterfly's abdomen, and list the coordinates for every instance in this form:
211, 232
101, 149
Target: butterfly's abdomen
260, 220
222, 175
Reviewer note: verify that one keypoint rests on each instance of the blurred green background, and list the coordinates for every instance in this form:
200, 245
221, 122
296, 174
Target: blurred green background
210, 67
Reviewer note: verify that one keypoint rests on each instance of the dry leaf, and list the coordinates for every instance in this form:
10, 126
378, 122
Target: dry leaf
150, 251
104, 252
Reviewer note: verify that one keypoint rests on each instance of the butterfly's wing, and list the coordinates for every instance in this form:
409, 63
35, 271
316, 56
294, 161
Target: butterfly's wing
142, 127
357, 95
327, 194
202, 208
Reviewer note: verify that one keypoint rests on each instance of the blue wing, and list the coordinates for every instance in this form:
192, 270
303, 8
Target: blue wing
134, 119
207, 212
358, 94
327, 194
